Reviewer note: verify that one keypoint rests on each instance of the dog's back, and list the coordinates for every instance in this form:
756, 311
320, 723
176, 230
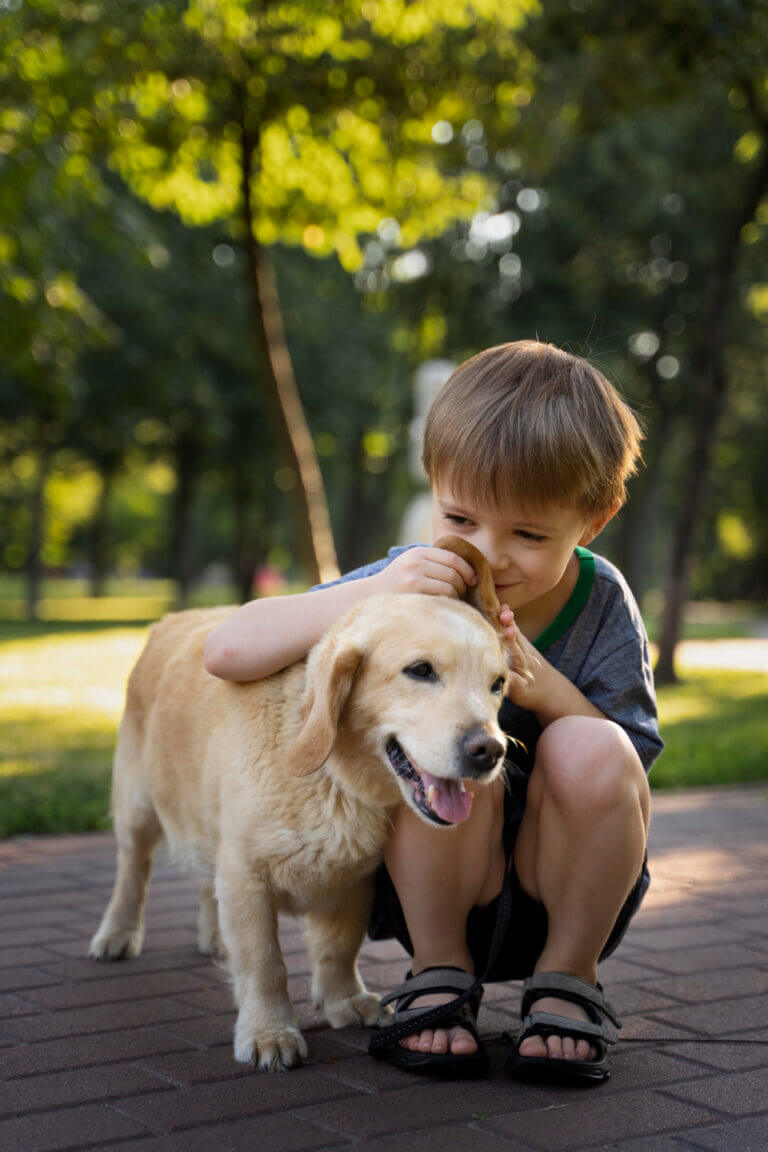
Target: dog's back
176, 728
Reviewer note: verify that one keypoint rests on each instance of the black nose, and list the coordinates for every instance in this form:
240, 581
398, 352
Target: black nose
480, 752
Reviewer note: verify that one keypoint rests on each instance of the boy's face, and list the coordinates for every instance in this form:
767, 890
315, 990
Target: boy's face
528, 550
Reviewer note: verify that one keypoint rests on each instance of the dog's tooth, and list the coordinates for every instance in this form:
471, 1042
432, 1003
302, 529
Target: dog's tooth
431, 795
461, 786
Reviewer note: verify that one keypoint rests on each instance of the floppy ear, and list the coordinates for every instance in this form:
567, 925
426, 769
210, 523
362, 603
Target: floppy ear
483, 594
329, 682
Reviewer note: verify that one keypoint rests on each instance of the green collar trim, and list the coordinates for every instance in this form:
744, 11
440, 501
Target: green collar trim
576, 601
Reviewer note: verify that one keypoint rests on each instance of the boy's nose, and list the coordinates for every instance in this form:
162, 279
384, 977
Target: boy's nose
480, 752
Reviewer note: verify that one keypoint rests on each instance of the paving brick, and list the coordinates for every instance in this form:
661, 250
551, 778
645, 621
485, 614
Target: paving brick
739, 1094
207, 1030
19, 979
20, 957
20, 937
363, 1117
698, 987
80, 1051
84, 1086
82, 968
710, 959
12, 1006
195, 1066
256, 1134
721, 1017
728, 1057
67, 1128
584, 1122
748, 1135
462, 1137
102, 1018
140, 985
231, 1099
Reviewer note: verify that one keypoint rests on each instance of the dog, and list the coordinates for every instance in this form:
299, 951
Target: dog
277, 793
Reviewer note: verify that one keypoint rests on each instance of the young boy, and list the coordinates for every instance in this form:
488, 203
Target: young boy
527, 449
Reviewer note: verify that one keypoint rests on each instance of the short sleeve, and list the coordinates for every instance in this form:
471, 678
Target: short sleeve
619, 681
367, 569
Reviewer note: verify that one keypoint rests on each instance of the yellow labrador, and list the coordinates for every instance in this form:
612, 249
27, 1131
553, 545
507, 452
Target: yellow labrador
277, 793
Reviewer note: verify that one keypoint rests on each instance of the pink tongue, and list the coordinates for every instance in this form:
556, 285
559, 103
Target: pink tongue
447, 800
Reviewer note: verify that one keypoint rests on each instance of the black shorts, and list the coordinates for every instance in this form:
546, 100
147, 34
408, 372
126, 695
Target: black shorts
527, 931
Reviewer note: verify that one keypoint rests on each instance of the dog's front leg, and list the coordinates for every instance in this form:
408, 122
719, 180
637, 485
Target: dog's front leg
266, 1031
334, 937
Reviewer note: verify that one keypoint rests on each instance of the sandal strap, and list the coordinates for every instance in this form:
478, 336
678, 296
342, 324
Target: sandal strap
564, 986
454, 980
549, 1024
408, 1021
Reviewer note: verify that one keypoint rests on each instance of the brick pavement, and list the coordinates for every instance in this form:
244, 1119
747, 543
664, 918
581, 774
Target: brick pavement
136, 1057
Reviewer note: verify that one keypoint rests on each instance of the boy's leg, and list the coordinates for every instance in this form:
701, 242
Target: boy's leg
439, 875
579, 851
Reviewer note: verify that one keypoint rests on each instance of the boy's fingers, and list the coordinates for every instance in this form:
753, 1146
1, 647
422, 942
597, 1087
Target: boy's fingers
452, 560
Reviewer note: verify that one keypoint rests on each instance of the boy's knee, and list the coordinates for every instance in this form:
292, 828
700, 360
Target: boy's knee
585, 763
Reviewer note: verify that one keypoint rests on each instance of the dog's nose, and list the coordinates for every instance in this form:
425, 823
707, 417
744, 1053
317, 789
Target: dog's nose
480, 752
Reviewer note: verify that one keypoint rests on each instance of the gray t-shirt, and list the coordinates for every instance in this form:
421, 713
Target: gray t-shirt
598, 642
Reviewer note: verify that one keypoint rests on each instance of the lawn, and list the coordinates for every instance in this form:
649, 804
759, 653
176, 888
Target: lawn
61, 694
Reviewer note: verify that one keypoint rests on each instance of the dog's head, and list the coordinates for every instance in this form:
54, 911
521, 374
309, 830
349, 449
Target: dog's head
403, 695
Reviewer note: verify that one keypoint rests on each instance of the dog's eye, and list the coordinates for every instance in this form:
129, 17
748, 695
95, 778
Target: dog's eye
497, 685
421, 671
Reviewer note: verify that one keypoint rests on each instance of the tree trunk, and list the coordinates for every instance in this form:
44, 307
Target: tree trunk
99, 558
312, 519
187, 459
711, 357
37, 507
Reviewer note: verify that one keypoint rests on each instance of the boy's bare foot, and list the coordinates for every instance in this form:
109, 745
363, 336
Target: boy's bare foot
437, 1041
556, 1047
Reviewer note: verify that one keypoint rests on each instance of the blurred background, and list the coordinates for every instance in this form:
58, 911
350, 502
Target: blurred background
241, 244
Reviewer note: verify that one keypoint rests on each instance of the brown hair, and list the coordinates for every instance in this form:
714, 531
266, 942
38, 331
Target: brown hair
527, 423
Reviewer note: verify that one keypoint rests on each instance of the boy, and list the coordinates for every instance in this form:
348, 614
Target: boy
527, 449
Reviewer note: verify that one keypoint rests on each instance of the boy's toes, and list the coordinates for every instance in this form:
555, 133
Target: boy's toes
533, 1046
569, 1048
462, 1043
555, 1047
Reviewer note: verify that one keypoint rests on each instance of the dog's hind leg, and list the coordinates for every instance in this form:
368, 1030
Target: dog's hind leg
209, 940
137, 828
334, 938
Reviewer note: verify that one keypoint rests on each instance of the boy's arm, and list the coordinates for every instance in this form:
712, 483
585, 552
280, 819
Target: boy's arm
267, 635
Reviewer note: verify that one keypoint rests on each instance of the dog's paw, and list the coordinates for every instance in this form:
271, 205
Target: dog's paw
116, 943
362, 1009
211, 944
273, 1049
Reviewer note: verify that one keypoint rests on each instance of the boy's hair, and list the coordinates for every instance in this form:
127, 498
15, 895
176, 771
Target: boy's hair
528, 424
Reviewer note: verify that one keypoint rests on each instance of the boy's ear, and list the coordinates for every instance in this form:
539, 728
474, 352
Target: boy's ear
483, 594
597, 523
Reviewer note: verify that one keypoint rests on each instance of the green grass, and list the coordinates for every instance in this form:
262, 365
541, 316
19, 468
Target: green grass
715, 725
61, 695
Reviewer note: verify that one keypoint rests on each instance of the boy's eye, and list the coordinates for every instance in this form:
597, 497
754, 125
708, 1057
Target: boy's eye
421, 671
456, 519
531, 536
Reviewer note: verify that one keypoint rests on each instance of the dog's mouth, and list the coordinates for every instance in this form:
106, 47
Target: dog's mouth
442, 801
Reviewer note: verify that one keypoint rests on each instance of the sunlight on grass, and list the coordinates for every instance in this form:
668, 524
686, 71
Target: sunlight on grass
714, 725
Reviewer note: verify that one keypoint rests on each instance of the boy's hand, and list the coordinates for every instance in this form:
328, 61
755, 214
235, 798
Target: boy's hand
525, 663
434, 571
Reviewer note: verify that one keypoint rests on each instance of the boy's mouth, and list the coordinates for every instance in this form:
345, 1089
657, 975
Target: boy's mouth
442, 801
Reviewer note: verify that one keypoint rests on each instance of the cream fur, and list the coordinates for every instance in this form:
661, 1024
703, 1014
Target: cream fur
278, 793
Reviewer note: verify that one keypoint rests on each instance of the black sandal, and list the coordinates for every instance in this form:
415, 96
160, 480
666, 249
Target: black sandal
406, 1021
596, 1031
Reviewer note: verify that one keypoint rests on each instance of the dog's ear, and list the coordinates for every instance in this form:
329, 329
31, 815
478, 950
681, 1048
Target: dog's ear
329, 682
481, 595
